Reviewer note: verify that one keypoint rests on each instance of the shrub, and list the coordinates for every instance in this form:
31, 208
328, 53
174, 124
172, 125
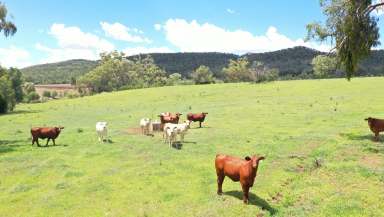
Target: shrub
32, 97
47, 94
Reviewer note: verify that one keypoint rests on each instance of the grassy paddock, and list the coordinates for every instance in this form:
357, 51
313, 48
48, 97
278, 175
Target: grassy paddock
293, 123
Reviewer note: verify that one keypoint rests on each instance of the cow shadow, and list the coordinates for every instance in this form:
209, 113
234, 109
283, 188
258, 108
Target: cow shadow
253, 200
358, 137
51, 145
177, 145
189, 142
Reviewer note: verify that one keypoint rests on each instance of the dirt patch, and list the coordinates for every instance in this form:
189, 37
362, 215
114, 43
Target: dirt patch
372, 161
137, 131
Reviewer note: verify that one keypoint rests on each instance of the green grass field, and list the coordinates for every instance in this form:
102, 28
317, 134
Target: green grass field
292, 123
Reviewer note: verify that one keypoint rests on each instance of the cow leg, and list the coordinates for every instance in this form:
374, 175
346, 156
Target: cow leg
377, 136
33, 141
200, 123
53, 140
220, 180
37, 141
245, 192
47, 141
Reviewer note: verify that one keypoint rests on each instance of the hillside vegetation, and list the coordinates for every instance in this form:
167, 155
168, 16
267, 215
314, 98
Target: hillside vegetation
293, 62
320, 160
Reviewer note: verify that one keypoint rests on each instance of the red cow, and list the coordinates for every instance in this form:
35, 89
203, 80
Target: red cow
169, 118
237, 169
376, 126
45, 132
197, 117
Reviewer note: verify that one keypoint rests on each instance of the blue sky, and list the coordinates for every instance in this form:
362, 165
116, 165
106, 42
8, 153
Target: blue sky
51, 31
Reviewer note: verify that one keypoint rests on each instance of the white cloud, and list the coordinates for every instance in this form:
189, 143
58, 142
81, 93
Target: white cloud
14, 57
231, 11
144, 50
157, 26
120, 32
73, 43
195, 37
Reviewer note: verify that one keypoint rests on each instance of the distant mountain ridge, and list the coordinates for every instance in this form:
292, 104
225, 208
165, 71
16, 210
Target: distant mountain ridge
291, 62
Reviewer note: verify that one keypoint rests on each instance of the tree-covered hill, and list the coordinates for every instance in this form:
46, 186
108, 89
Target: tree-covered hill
290, 62
56, 73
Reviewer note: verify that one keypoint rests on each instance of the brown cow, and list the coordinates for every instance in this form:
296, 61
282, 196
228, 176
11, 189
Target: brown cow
376, 126
45, 132
237, 169
169, 118
197, 117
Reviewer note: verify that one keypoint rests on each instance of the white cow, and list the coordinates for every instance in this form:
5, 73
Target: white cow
101, 130
181, 129
170, 134
146, 126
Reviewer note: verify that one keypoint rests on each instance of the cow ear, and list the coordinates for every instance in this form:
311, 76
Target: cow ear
247, 158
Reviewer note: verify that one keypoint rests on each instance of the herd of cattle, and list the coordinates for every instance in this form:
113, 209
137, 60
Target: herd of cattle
237, 169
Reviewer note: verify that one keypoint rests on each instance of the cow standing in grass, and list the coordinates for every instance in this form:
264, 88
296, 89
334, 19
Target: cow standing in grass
376, 125
200, 117
237, 169
45, 133
101, 130
168, 117
146, 126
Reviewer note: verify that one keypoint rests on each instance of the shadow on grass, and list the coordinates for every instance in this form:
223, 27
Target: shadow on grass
9, 145
177, 145
21, 112
352, 136
253, 200
50, 146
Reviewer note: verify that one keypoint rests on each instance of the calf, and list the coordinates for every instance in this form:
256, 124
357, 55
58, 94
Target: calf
170, 132
169, 118
45, 133
146, 126
237, 169
101, 130
197, 117
376, 126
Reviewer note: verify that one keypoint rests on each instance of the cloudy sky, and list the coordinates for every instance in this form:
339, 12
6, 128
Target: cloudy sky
51, 31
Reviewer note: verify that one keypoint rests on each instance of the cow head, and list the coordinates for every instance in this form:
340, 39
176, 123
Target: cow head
58, 129
204, 113
369, 119
188, 122
178, 114
255, 160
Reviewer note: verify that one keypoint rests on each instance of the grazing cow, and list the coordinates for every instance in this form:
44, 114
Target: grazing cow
168, 117
45, 133
170, 134
101, 130
181, 129
146, 126
376, 126
197, 117
237, 169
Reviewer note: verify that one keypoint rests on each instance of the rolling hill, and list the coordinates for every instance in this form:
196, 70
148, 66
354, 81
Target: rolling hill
290, 62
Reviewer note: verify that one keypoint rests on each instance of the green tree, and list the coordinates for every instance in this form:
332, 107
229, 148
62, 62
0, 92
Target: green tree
323, 66
28, 87
237, 70
32, 97
7, 94
6, 26
15, 76
116, 72
54, 94
351, 27
202, 75
258, 72
174, 78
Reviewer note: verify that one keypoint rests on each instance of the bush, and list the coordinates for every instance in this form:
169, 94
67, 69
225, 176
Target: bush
54, 94
71, 94
32, 97
47, 94
202, 75
174, 79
